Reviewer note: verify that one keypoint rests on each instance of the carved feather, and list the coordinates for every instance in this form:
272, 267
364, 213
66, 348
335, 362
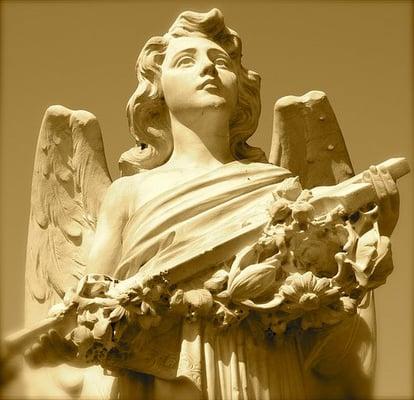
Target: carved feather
70, 178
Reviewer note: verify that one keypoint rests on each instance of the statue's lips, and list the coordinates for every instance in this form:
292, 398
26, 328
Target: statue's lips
210, 84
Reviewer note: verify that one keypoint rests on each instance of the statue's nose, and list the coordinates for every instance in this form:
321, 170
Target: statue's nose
208, 68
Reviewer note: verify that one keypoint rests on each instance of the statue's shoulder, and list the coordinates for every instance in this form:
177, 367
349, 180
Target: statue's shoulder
135, 190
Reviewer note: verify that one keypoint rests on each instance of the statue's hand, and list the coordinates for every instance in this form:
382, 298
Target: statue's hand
387, 193
51, 350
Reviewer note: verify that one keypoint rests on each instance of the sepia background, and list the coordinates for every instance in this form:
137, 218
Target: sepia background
82, 55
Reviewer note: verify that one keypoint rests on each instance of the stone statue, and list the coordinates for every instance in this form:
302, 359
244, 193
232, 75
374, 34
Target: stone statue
205, 271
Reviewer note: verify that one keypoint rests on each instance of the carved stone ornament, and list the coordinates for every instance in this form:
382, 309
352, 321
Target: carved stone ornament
205, 271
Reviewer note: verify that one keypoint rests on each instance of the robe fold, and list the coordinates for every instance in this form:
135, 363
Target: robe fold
197, 215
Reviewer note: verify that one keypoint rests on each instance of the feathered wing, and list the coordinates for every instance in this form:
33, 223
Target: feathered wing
70, 178
307, 140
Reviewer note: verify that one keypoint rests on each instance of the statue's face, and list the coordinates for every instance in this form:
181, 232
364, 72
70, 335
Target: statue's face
198, 73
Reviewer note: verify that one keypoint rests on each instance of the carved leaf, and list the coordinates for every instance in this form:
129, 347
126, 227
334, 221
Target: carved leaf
289, 189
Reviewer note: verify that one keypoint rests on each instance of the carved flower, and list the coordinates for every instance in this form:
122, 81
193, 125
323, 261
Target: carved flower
315, 249
94, 285
314, 300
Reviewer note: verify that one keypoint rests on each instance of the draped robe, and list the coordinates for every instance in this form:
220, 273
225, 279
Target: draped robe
192, 219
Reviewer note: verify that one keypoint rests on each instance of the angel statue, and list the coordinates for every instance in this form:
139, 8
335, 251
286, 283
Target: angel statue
205, 271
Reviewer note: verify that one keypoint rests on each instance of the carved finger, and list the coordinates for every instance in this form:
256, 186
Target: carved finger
49, 355
28, 356
64, 349
45, 341
52, 355
378, 183
36, 357
55, 338
388, 182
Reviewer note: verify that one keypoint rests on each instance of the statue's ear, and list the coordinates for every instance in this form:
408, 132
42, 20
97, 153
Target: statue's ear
307, 140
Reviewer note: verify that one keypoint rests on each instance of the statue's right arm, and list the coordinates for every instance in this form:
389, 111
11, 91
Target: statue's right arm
52, 348
113, 215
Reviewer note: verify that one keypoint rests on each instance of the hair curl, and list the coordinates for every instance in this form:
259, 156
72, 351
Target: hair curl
147, 112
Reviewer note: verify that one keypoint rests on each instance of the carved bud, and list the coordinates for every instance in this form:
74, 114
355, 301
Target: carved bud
252, 282
289, 189
101, 329
217, 281
302, 212
177, 302
199, 300
279, 210
83, 338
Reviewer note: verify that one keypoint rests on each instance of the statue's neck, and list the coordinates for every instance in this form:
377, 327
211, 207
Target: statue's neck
202, 144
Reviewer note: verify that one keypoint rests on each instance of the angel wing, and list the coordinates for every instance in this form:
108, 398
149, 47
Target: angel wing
307, 140
70, 178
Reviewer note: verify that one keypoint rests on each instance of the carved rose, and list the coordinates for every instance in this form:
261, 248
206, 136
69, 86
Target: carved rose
317, 256
316, 248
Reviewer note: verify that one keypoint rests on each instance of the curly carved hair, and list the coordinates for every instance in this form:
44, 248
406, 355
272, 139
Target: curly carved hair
147, 112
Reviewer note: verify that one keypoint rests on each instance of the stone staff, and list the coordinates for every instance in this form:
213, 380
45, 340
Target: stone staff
351, 195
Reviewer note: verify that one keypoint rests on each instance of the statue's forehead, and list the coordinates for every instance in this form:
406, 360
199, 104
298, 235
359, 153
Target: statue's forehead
179, 44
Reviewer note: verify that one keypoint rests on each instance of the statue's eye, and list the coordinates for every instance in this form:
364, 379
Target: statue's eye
222, 62
185, 61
